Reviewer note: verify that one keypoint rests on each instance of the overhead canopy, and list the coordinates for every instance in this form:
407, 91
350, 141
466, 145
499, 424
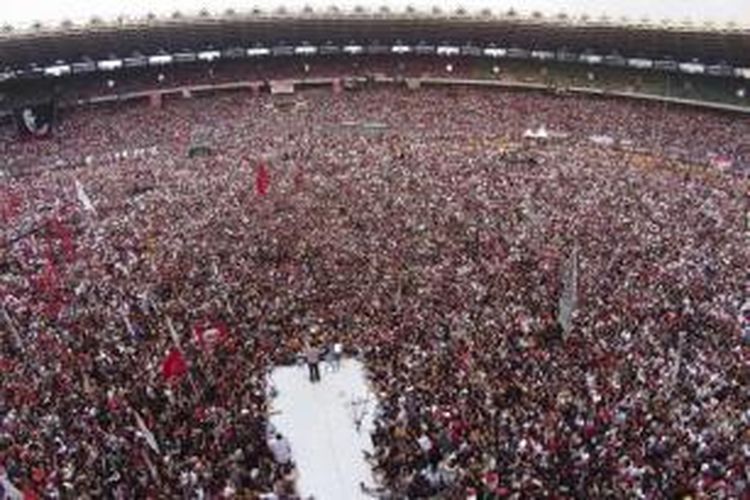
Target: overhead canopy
103, 40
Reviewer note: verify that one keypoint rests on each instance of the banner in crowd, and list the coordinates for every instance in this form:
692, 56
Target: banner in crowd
35, 121
262, 180
569, 295
282, 87
210, 334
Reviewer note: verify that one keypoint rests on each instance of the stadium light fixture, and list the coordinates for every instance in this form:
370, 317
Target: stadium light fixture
448, 50
258, 51
353, 49
209, 55
305, 50
592, 58
57, 70
495, 52
692, 68
640, 63
109, 64
160, 60
400, 49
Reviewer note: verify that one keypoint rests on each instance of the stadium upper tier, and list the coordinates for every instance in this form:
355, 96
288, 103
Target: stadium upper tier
28, 52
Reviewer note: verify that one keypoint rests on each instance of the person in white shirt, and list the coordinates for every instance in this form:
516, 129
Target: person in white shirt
333, 357
280, 449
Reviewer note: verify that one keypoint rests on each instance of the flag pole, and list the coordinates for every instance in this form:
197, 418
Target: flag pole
12, 327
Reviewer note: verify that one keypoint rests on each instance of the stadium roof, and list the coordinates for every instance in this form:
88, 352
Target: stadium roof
99, 38
53, 12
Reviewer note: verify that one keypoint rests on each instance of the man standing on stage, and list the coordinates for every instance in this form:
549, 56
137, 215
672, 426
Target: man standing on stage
313, 358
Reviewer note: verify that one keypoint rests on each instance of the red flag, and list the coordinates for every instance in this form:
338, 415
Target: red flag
262, 180
174, 366
209, 335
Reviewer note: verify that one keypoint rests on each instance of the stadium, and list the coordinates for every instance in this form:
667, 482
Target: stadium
374, 252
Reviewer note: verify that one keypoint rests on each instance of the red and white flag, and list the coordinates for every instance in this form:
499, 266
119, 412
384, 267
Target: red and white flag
210, 334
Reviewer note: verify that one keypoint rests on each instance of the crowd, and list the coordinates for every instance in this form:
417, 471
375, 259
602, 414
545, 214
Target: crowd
421, 232
266, 68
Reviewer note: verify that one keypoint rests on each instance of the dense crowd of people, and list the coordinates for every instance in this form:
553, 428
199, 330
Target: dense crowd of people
423, 233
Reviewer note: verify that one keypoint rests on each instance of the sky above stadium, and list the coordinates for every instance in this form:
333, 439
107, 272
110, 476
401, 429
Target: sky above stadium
22, 13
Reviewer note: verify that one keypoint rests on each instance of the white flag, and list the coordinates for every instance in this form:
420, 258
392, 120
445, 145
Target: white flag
173, 334
125, 313
84, 198
568, 301
150, 439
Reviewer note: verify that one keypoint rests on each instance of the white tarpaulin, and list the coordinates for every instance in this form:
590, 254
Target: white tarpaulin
320, 422
282, 87
540, 133
602, 140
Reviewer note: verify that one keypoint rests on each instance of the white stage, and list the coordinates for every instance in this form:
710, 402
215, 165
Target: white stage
319, 420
